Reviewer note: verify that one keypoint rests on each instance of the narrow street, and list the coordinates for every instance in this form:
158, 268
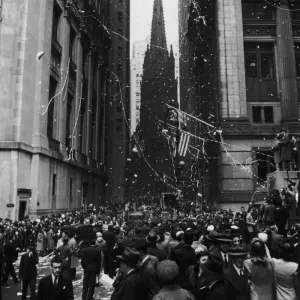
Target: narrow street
13, 291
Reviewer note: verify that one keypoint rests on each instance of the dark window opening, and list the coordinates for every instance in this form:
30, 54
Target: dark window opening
269, 116
52, 92
120, 16
53, 184
257, 11
119, 109
256, 113
265, 165
56, 23
68, 120
295, 11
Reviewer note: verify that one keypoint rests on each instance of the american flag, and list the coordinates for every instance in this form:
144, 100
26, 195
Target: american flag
139, 142
183, 144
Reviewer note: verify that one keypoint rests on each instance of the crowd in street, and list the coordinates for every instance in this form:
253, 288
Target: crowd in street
198, 253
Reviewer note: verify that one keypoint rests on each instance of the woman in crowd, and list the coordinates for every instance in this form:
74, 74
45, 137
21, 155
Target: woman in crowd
261, 271
286, 272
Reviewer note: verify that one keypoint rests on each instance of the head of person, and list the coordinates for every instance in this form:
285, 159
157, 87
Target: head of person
129, 259
188, 237
168, 272
56, 265
238, 254
286, 251
212, 268
242, 209
236, 240
257, 250
202, 254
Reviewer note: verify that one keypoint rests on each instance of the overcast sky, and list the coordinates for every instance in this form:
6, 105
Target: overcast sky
141, 17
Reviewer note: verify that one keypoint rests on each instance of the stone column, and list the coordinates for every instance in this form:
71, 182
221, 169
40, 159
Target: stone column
232, 88
89, 103
97, 134
78, 94
65, 66
286, 65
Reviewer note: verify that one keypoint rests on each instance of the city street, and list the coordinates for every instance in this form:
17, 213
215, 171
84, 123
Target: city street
13, 291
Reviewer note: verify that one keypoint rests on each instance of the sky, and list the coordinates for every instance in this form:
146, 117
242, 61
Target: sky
141, 18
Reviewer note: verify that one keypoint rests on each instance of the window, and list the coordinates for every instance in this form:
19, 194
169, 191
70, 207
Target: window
256, 114
260, 72
53, 184
82, 118
297, 57
119, 52
71, 190
119, 109
118, 128
137, 75
263, 114
68, 120
295, 11
56, 23
120, 16
257, 11
52, 92
73, 46
265, 164
85, 63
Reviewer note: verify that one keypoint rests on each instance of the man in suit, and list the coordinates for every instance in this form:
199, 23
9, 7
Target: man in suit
152, 238
184, 257
28, 271
128, 284
91, 264
110, 239
10, 255
236, 274
145, 229
55, 286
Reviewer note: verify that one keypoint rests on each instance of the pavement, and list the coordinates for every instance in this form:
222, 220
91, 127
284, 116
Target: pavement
12, 291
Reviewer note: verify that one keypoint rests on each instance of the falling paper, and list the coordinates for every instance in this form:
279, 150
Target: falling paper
107, 281
40, 55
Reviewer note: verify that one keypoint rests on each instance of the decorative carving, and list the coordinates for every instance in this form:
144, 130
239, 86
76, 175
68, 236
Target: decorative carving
259, 31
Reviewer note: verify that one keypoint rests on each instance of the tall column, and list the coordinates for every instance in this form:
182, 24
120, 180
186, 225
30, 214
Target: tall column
286, 64
62, 104
78, 94
232, 89
97, 134
89, 103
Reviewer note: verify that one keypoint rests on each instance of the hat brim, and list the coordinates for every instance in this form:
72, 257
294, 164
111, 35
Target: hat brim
120, 257
237, 253
152, 242
223, 240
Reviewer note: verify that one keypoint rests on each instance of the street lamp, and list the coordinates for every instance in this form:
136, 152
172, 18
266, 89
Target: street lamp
172, 115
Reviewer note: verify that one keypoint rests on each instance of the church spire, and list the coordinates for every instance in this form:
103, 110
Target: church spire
158, 42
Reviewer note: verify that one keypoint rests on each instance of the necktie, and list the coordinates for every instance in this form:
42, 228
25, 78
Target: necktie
241, 272
55, 282
225, 260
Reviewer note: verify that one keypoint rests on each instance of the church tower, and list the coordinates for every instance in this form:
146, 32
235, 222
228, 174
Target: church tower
158, 88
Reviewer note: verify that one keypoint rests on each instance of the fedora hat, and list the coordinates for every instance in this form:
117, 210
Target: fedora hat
214, 264
223, 237
152, 237
237, 251
130, 256
212, 235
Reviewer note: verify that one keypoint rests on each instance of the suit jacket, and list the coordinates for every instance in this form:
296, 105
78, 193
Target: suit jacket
10, 252
110, 239
131, 287
27, 269
240, 283
91, 259
184, 257
47, 291
217, 252
220, 290
154, 251
144, 230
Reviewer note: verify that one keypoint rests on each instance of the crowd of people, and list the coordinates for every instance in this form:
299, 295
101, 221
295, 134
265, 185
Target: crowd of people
205, 254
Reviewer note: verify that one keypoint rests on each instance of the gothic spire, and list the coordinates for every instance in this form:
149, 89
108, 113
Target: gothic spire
158, 44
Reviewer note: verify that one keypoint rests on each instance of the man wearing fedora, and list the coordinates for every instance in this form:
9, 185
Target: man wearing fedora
217, 287
28, 271
128, 284
152, 238
222, 241
184, 257
236, 274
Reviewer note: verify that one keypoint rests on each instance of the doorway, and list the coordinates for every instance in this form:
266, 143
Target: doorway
22, 210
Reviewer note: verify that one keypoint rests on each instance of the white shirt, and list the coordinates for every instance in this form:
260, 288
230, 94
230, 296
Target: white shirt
53, 279
238, 270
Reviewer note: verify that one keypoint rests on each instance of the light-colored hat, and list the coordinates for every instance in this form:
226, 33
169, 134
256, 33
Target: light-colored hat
263, 237
210, 228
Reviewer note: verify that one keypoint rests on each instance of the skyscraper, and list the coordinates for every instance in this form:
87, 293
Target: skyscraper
158, 88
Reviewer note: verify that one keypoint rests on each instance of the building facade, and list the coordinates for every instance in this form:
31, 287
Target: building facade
119, 97
137, 61
53, 124
251, 51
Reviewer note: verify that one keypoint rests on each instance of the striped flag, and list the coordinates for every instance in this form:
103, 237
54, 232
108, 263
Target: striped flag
183, 144
139, 143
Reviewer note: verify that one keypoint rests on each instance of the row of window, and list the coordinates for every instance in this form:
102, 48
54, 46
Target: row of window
260, 69
263, 10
